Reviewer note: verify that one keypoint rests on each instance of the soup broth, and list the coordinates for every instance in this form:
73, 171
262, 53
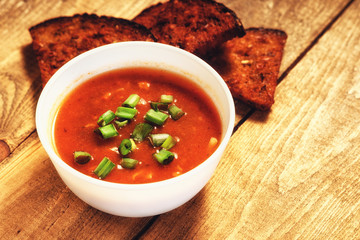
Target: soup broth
197, 132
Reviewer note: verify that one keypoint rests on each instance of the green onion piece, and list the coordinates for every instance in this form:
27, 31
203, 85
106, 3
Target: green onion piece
164, 156
104, 168
158, 106
131, 101
133, 145
158, 139
107, 131
120, 124
82, 157
175, 112
128, 163
168, 143
125, 113
166, 99
106, 118
157, 118
141, 131
126, 146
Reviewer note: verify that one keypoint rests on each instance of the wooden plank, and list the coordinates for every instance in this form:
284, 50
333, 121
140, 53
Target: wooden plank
61, 213
36, 204
301, 20
295, 172
20, 78
19, 70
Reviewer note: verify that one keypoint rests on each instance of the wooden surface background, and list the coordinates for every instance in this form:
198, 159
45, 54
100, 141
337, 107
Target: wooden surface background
291, 173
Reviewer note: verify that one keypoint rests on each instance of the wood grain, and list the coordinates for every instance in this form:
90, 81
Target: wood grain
35, 203
19, 73
287, 174
295, 175
4, 150
24, 75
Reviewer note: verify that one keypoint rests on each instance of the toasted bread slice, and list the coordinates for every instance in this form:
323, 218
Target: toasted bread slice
250, 65
58, 40
197, 26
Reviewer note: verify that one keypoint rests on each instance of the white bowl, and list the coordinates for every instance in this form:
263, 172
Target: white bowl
133, 200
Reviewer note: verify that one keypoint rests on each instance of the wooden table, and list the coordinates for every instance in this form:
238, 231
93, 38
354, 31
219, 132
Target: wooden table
291, 173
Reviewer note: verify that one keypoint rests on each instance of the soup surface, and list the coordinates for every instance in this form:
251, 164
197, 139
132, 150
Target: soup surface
198, 132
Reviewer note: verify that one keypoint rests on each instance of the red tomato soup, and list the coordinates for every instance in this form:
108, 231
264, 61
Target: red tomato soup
197, 132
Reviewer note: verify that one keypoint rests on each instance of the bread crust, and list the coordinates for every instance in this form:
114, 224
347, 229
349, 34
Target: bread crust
250, 65
58, 40
197, 26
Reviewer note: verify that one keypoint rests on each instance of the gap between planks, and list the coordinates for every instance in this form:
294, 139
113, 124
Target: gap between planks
143, 231
298, 59
11, 151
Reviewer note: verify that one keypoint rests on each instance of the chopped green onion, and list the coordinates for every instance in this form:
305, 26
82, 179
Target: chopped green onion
131, 101
168, 143
157, 118
106, 118
125, 113
126, 146
133, 145
120, 124
158, 139
164, 156
107, 131
141, 131
104, 168
175, 112
166, 99
82, 157
159, 106
128, 163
